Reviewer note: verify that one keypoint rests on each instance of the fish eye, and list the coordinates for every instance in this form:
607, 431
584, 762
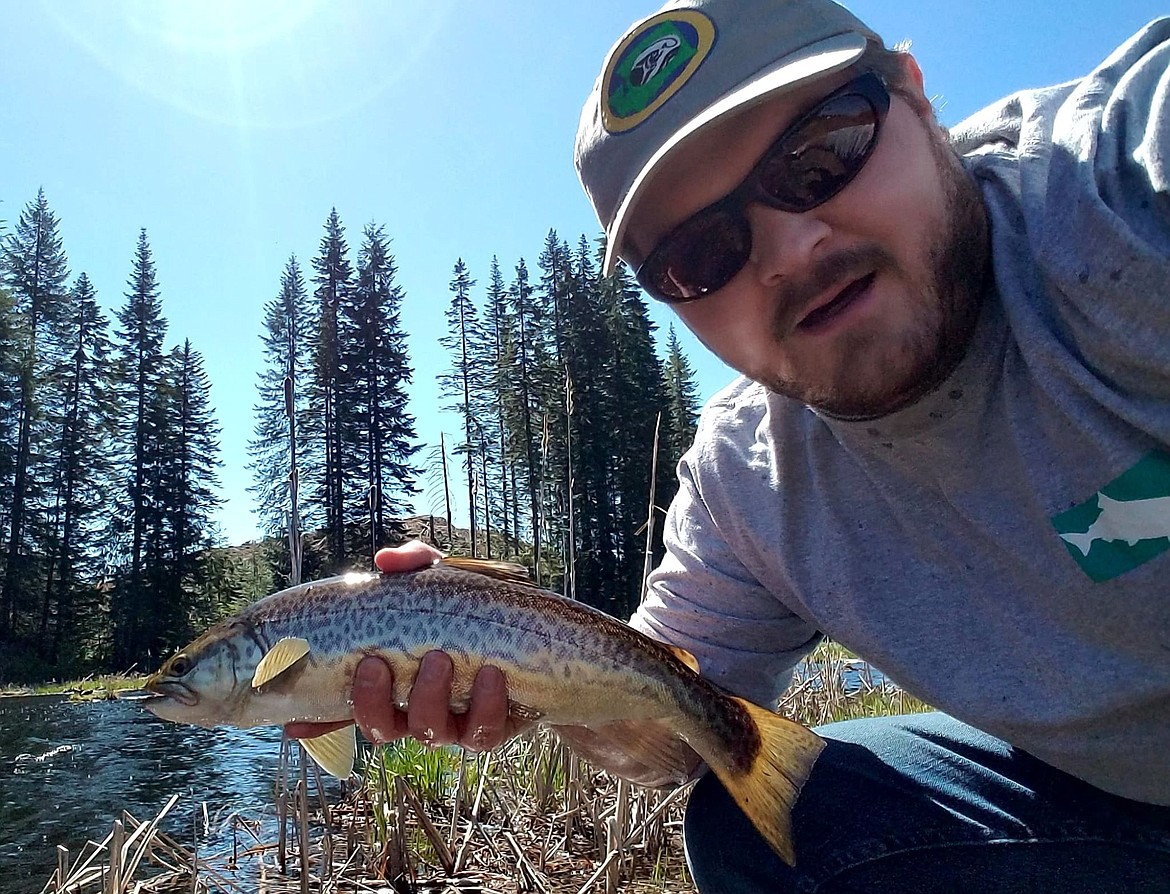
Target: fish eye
180, 665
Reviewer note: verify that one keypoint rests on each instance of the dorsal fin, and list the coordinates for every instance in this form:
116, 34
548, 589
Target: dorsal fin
685, 657
278, 659
508, 571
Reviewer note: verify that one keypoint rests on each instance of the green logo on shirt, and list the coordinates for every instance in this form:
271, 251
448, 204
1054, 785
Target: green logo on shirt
1123, 525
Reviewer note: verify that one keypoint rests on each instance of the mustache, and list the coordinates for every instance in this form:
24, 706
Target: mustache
794, 296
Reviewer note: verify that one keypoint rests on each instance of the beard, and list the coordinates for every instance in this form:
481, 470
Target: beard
946, 300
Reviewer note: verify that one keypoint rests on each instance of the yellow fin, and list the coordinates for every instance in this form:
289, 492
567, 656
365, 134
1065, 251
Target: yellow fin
279, 658
768, 790
333, 751
508, 571
685, 657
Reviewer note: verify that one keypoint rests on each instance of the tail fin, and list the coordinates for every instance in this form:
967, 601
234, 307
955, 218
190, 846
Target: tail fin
768, 788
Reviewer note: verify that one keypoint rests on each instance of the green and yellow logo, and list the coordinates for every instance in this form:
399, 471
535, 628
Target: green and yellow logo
1123, 525
651, 65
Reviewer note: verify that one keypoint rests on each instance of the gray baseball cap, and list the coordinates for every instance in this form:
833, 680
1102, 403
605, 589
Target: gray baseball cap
689, 65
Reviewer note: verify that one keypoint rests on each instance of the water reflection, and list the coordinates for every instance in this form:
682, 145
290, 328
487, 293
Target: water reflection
122, 758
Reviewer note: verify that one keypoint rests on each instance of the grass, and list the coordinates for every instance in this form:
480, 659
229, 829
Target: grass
90, 688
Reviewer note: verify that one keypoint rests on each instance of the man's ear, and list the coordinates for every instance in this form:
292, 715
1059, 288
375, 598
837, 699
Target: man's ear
914, 87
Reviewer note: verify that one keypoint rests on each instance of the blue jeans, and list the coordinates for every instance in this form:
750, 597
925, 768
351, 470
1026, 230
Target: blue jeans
923, 803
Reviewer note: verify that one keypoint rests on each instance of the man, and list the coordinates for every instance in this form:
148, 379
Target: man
950, 449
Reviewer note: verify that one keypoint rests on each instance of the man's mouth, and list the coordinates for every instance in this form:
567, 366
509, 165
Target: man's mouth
823, 314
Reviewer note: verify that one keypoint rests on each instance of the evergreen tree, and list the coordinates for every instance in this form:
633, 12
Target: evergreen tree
594, 423
83, 448
639, 394
681, 400
522, 404
9, 399
379, 433
499, 327
35, 271
328, 412
464, 341
139, 339
188, 467
556, 383
281, 413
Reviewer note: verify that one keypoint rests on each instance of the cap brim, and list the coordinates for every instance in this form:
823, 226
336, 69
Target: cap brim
816, 60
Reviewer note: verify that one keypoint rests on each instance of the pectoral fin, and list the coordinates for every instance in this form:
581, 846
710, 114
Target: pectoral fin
280, 658
333, 751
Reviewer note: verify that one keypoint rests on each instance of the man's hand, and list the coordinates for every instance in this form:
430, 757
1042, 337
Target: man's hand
428, 716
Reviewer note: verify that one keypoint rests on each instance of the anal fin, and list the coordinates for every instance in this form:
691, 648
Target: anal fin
334, 751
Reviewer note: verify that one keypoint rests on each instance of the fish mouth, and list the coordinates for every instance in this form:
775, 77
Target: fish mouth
172, 689
136, 695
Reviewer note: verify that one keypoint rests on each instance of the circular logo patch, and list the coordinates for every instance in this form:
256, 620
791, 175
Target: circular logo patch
651, 65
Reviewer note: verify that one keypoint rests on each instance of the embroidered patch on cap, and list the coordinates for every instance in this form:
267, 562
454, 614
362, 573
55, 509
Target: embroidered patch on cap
1123, 525
651, 65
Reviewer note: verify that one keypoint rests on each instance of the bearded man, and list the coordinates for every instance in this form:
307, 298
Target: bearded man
949, 448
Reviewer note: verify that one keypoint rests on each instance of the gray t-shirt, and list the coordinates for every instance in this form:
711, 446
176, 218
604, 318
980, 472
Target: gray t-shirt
1002, 547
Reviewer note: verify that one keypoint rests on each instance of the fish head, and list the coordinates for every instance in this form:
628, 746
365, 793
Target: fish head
207, 682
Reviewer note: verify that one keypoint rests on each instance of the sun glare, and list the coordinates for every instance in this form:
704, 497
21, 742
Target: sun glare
263, 63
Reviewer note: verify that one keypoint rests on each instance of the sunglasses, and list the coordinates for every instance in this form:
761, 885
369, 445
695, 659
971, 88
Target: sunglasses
813, 160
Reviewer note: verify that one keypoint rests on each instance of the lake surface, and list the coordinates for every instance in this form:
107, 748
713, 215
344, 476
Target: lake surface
120, 758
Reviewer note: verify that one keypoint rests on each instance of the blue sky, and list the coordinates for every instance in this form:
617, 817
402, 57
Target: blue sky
230, 129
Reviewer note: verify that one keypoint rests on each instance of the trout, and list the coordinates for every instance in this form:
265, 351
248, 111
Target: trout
292, 655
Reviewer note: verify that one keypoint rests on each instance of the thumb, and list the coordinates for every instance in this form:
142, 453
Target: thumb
412, 556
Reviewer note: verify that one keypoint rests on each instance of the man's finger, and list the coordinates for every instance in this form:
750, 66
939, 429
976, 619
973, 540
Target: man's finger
486, 723
373, 702
429, 712
412, 556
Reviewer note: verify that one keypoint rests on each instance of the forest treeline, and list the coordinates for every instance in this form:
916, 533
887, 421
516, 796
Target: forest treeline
109, 444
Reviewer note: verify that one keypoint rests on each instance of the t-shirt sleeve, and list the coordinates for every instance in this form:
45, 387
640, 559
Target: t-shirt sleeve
1077, 182
702, 599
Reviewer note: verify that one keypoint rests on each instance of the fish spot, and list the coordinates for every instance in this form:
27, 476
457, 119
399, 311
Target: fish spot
1083, 277
1115, 275
955, 394
873, 432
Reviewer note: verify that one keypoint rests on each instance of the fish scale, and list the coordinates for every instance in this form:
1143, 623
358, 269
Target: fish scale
291, 658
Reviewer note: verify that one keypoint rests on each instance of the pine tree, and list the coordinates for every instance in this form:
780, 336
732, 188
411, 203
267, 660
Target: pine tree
681, 400
35, 270
189, 464
282, 408
329, 414
83, 448
523, 404
499, 326
378, 433
594, 427
140, 335
9, 400
638, 393
463, 341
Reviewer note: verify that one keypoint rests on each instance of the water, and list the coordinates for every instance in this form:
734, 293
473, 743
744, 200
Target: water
121, 758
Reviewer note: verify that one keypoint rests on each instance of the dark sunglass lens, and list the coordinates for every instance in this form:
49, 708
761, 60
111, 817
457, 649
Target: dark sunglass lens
700, 257
816, 161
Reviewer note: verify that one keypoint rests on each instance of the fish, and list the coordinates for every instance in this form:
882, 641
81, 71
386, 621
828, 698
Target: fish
1127, 521
292, 655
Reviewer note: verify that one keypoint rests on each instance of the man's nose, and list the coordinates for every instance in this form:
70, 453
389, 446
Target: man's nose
784, 243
